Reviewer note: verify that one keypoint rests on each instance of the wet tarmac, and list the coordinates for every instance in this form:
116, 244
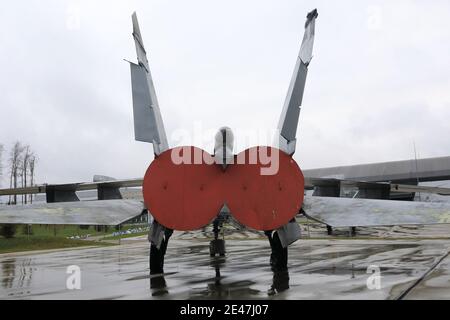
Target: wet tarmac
318, 269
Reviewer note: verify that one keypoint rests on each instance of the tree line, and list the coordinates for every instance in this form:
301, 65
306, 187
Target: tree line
21, 164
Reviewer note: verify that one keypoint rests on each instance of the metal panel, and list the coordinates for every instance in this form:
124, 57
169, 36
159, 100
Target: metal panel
308, 39
288, 122
148, 124
291, 110
145, 128
140, 50
107, 212
346, 212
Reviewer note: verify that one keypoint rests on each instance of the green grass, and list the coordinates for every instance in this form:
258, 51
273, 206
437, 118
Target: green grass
65, 230
56, 231
19, 244
43, 237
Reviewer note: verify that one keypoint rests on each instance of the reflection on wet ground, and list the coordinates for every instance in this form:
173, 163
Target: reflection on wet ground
318, 269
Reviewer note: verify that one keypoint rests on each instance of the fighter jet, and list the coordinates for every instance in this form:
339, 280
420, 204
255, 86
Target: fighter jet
187, 188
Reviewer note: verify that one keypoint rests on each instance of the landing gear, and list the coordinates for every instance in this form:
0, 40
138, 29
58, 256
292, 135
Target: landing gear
329, 230
279, 255
216, 246
352, 231
280, 282
157, 255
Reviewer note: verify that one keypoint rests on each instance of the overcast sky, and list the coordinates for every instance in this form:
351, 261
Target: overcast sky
379, 79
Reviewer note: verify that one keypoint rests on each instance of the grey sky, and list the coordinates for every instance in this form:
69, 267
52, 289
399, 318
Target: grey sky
379, 79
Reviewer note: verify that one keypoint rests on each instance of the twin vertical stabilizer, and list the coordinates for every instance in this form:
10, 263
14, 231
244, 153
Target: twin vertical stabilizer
148, 124
288, 123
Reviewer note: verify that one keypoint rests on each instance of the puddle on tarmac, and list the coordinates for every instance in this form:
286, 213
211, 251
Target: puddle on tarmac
318, 269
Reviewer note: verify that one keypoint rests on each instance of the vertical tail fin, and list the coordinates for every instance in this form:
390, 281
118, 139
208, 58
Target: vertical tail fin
140, 50
288, 123
148, 124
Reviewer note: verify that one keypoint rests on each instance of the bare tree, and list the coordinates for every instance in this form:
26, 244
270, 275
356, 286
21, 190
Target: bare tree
24, 169
32, 166
15, 160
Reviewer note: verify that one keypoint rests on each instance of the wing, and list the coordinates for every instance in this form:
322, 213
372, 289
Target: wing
347, 212
103, 212
148, 123
425, 189
287, 126
73, 187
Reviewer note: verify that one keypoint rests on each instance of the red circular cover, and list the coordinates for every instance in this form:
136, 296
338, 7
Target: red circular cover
184, 190
267, 193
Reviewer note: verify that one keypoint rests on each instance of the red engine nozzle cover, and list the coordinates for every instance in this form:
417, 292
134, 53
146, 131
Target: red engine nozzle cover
184, 189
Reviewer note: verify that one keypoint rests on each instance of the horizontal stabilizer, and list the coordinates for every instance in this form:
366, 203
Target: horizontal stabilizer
347, 212
107, 212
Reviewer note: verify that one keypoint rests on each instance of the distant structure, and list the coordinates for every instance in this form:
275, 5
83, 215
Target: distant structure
406, 171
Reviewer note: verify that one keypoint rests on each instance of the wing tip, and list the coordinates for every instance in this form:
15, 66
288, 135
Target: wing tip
311, 16
136, 30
